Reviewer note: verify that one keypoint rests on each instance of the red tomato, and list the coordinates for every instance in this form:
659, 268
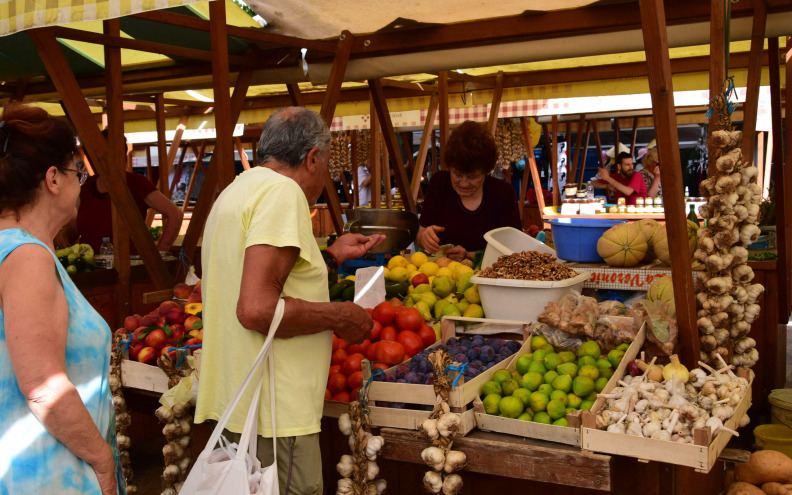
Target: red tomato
335, 342
371, 352
375, 331
427, 334
381, 366
390, 352
370, 311
338, 356
409, 319
352, 363
353, 395
335, 368
413, 344
342, 344
398, 309
341, 397
328, 395
384, 312
337, 383
361, 348
388, 333
355, 380
396, 301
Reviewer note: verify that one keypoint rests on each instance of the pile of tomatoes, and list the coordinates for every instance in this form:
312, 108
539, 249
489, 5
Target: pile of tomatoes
398, 334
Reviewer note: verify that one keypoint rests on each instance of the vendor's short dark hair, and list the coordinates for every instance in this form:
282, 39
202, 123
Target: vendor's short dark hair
621, 156
31, 141
471, 148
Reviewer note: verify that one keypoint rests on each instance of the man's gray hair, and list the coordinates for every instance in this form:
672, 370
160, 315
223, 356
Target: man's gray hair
290, 133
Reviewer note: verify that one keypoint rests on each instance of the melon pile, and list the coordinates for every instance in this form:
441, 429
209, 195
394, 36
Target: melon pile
726, 298
628, 244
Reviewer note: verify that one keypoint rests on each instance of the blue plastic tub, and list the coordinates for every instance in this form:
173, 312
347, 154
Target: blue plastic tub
576, 239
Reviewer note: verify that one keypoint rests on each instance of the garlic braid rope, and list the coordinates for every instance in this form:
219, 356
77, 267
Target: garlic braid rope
178, 424
123, 418
359, 471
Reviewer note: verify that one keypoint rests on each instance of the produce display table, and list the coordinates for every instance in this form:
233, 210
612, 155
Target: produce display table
500, 463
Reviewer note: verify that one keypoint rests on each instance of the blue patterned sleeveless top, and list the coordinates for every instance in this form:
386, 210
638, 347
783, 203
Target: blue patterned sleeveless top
31, 460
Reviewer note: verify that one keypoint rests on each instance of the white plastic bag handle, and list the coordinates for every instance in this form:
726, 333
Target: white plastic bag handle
221, 423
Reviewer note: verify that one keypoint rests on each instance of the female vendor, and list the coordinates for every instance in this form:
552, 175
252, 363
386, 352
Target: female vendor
464, 202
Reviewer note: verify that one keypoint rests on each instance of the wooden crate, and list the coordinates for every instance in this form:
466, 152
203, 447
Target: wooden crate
148, 377
460, 397
700, 455
568, 435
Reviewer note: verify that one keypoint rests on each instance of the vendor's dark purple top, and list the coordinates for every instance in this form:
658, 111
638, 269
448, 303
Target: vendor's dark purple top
443, 207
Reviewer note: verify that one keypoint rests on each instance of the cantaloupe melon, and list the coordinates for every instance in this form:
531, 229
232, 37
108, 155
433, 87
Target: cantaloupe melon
660, 242
649, 227
661, 289
622, 245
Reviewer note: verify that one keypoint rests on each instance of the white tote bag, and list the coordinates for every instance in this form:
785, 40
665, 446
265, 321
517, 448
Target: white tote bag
231, 469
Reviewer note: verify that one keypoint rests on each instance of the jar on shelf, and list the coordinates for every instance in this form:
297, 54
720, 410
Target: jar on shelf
621, 202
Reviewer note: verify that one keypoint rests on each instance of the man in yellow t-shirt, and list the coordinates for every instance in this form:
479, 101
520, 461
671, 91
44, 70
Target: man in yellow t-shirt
258, 246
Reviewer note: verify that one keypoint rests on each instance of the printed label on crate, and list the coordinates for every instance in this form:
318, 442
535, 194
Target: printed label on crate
624, 278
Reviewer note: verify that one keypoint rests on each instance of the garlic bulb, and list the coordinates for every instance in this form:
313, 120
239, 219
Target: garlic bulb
373, 471
452, 484
454, 461
345, 487
345, 424
433, 481
381, 485
345, 466
434, 458
429, 429
448, 424
373, 446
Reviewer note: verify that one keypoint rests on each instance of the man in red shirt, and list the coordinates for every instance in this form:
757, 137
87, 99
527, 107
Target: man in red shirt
625, 183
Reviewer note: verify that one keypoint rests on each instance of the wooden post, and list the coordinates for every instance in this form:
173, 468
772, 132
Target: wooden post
355, 182
616, 140
531, 162
177, 173
760, 155
242, 154
554, 162
375, 166
328, 110
423, 148
442, 94
409, 162
768, 170
295, 95
175, 145
585, 154
779, 174
117, 160
634, 135
223, 153
58, 69
717, 74
662, 91
149, 168
578, 141
386, 168
392, 145
496, 100
162, 146
751, 105
783, 186
598, 143
209, 186
198, 166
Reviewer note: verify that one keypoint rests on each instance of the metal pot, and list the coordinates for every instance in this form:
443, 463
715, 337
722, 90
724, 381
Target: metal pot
400, 227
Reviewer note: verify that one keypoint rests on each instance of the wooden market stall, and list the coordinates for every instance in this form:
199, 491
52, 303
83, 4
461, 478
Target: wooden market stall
506, 458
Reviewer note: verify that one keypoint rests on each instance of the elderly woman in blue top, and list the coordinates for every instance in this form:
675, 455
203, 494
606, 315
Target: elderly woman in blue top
57, 426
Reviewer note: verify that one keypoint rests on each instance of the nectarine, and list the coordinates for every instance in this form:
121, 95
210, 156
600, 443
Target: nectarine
148, 321
167, 306
148, 355
182, 291
132, 322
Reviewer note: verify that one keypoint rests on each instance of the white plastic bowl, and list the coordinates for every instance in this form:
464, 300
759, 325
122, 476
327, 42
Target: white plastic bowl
508, 240
523, 300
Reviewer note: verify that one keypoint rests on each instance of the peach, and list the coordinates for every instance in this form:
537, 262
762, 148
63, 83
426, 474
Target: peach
182, 291
177, 333
134, 350
175, 316
193, 342
148, 355
194, 298
156, 339
132, 322
170, 351
148, 321
191, 321
167, 306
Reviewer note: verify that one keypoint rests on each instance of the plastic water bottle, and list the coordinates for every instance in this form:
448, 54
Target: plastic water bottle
105, 259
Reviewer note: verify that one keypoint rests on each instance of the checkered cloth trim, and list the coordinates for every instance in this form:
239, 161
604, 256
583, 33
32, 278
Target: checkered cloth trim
19, 15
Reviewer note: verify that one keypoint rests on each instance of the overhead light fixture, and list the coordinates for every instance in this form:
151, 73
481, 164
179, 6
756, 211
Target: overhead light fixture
198, 96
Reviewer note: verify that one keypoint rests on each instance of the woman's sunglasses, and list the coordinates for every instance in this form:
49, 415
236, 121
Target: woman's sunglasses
81, 176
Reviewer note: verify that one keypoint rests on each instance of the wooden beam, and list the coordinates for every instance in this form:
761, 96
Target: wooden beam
58, 69
146, 46
662, 92
717, 73
328, 110
423, 148
585, 154
176, 143
554, 161
375, 165
578, 142
242, 154
386, 168
616, 139
760, 156
354, 157
598, 143
149, 168
221, 81
751, 106
768, 171
418, 88
162, 147
392, 145
295, 95
199, 166
177, 173
442, 88
209, 186
496, 101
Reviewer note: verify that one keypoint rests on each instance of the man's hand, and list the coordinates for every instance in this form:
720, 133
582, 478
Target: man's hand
355, 322
351, 246
428, 238
603, 173
456, 253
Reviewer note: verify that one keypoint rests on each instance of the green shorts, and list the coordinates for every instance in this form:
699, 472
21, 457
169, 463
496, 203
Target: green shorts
299, 462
